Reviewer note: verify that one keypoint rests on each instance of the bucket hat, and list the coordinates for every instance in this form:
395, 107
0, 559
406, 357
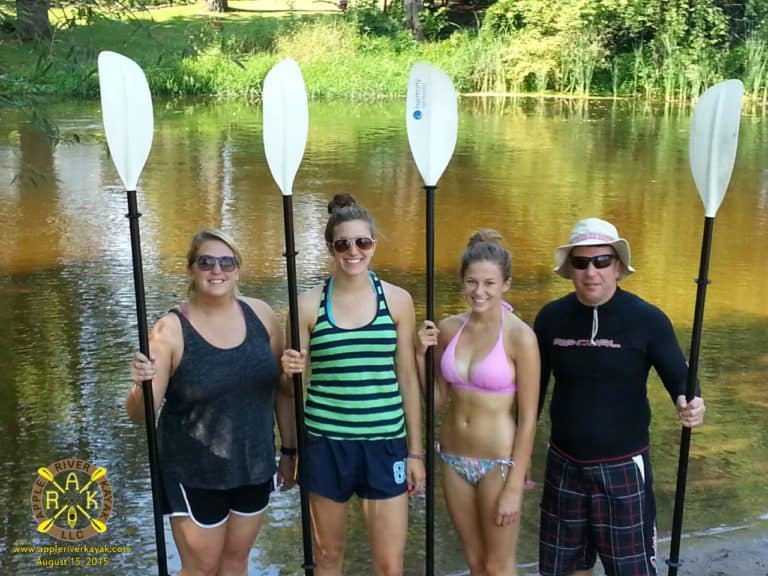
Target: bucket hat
593, 232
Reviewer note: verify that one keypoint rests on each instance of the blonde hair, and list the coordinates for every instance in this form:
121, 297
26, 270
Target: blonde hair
194, 251
488, 245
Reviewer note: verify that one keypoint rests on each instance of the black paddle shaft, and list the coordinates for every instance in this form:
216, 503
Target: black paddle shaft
298, 388
430, 386
690, 389
146, 386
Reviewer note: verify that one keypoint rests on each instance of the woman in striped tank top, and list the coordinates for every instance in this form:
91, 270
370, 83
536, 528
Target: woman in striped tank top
363, 411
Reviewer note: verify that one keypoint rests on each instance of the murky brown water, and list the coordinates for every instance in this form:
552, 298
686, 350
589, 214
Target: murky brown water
528, 168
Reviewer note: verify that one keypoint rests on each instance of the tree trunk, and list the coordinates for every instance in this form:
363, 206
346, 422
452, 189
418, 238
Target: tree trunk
412, 21
217, 5
32, 20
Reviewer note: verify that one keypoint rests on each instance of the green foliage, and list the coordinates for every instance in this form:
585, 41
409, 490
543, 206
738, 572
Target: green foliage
433, 22
669, 50
582, 53
755, 62
370, 19
509, 16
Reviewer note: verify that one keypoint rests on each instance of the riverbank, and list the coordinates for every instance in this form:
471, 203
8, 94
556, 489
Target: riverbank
736, 553
741, 551
364, 53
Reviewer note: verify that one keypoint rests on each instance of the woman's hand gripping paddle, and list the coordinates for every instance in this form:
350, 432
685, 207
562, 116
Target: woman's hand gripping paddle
432, 123
126, 107
285, 124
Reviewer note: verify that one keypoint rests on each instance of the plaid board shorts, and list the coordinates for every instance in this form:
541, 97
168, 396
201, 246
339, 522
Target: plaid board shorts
603, 508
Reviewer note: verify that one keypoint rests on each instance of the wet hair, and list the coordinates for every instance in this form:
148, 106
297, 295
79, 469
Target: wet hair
194, 251
487, 245
344, 208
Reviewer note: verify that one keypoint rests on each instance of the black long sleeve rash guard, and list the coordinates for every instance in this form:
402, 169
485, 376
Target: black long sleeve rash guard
599, 408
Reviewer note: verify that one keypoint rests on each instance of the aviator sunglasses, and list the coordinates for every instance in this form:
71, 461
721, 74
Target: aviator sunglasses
342, 245
600, 261
207, 263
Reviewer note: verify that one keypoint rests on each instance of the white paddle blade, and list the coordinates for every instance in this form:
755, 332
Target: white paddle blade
286, 122
713, 141
431, 119
126, 108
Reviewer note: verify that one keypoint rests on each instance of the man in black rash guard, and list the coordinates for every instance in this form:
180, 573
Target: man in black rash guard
600, 343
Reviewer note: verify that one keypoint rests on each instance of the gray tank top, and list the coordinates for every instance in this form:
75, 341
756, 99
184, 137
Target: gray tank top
216, 427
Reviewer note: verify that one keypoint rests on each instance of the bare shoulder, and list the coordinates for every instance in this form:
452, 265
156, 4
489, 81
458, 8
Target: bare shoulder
309, 304
399, 302
396, 295
449, 325
518, 333
451, 322
258, 306
263, 310
167, 327
166, 335
309, 301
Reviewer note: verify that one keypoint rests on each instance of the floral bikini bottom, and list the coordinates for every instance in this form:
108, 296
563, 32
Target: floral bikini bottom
474, 469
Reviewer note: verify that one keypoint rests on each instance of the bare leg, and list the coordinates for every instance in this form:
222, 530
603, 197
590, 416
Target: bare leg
462, 506
387, 524
329, 522
500, 541
241, 534
200, 549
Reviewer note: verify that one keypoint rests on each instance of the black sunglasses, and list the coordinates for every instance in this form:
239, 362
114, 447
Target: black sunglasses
207, 263
600, 261
363, 243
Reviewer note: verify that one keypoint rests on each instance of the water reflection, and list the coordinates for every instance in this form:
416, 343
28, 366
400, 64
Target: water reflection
529, 168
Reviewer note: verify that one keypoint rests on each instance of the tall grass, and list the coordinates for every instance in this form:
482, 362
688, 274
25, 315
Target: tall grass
643, 77
685, 72
362, 54
582, 53
670, 64
491, 72
756, 66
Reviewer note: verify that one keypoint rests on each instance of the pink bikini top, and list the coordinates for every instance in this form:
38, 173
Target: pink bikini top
493, 374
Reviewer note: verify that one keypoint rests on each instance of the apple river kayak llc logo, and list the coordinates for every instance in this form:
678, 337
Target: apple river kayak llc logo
71, 500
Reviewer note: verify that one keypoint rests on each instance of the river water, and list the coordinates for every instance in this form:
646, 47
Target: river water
529, 168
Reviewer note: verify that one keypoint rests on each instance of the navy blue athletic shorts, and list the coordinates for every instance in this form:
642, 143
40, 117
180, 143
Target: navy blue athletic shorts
372, 469
604, 508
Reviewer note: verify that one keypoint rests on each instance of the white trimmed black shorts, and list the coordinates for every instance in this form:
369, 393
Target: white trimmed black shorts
211, 508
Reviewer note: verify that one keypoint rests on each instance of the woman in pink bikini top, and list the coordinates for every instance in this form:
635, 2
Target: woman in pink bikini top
493, 374
489, 372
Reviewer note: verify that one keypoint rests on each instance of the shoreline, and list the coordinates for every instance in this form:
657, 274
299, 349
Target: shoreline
725, 551
733, 551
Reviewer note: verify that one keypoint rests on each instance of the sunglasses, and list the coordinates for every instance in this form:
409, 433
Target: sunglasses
342, 245
600, 261
207, 263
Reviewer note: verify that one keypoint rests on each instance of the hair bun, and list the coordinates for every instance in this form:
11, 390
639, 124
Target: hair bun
488, 235
341, 201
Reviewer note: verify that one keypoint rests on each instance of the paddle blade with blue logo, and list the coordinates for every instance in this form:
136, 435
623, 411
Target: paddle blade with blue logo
431, 120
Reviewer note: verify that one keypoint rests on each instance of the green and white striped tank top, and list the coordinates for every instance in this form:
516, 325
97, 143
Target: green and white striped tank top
353, 392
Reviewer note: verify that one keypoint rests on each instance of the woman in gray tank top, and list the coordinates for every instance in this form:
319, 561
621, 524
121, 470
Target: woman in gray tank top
217, 391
